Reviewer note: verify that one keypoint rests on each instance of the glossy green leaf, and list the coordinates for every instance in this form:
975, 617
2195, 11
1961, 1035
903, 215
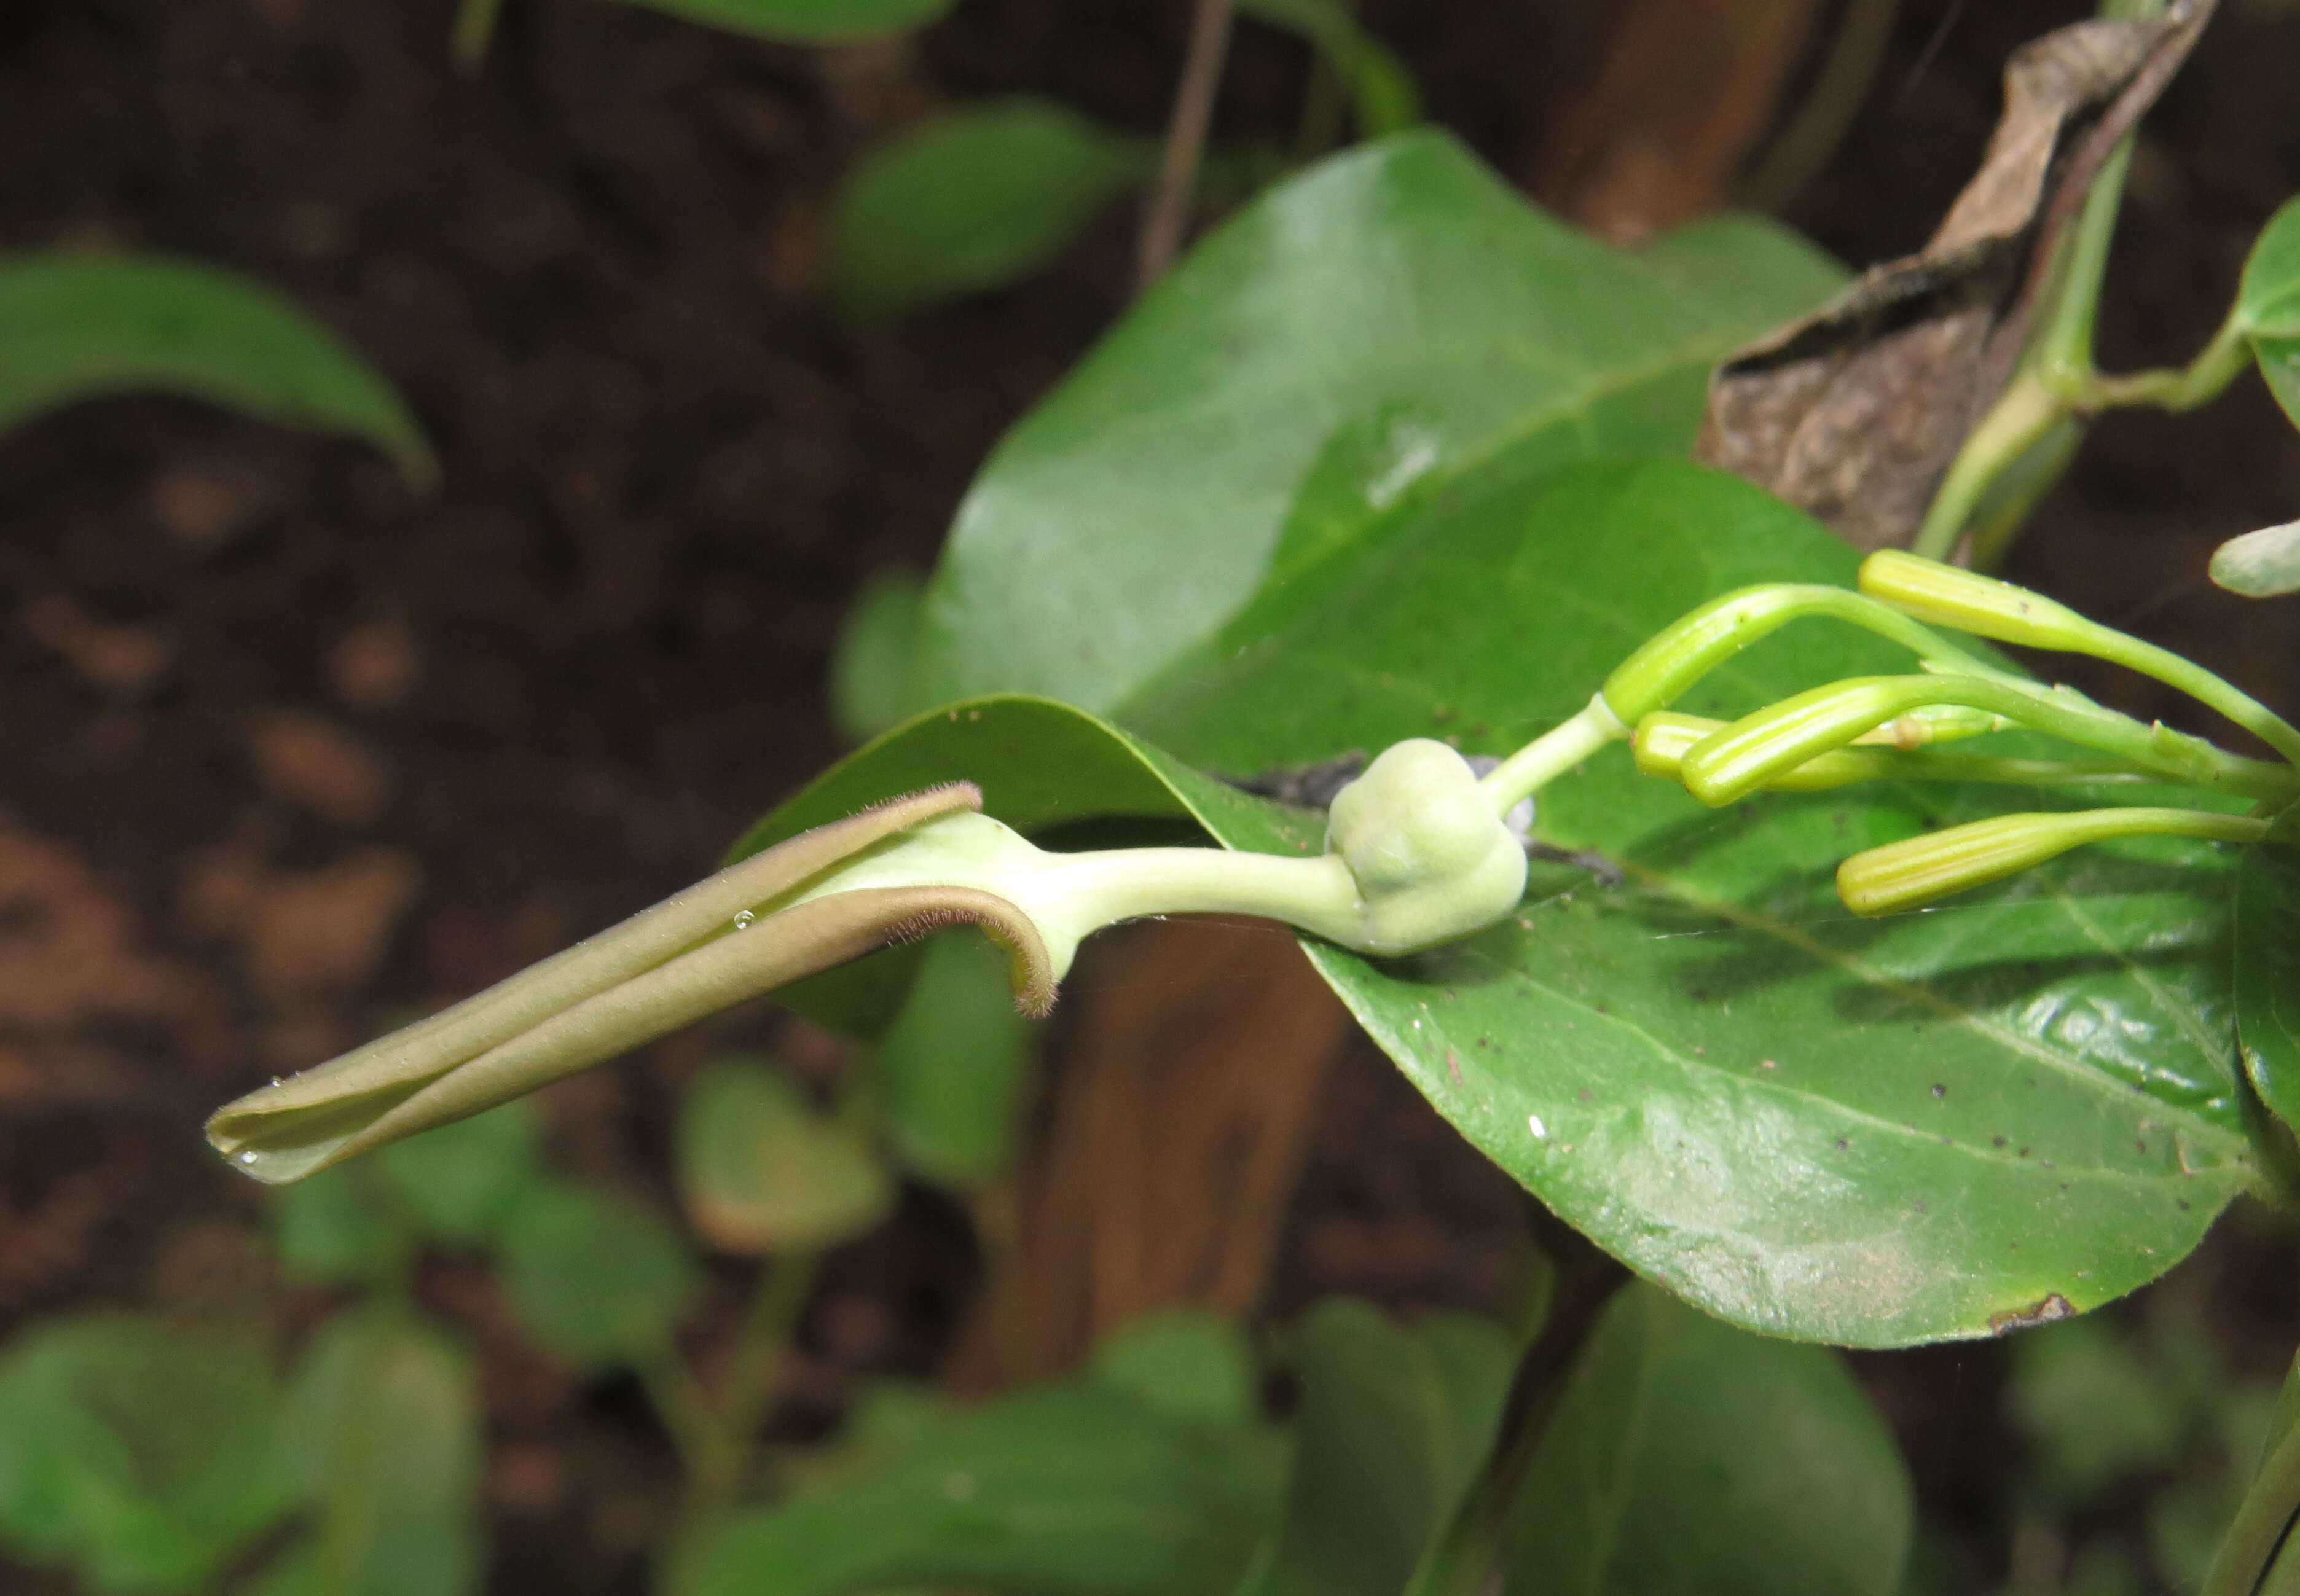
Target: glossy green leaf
874, 672
2262, 564
761, 1170
1074, 1490
460, 1181
341, 1227
1689, 1459
2267, 967
79, 325
2268, 306
142, 1457
974, 200
1400, 285
806, 21
1184, 1363
1876, 1132
384, 1427
950, 1069
1392, 1427
594, 1279
1381, 90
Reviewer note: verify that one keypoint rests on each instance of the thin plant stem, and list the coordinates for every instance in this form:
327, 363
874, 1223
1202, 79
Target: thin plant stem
475, 30
762, 1347
1552, 754
1839, 89
1167, 213
2250, 1548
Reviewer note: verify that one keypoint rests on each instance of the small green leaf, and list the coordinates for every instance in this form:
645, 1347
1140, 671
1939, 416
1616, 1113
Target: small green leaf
2268, 306
951, 1067
1380, 87
1139, 506
1391, 1429
1074, 1490
460, 1180
78, 326
760, 1170
340, 1227
1689, 1459
806, 21
594, 1279
383, 1423
142, 1456
2267, 967
1183, 1363
2260, 564
972, 201
874, 668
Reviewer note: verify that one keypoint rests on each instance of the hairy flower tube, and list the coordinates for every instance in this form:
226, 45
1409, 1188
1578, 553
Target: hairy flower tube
1415, 856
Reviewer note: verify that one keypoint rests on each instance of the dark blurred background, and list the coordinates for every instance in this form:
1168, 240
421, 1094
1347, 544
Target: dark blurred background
287, 752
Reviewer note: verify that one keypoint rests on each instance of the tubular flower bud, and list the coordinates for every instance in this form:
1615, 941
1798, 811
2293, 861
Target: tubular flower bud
1951, 596
1704, 639
1922, 869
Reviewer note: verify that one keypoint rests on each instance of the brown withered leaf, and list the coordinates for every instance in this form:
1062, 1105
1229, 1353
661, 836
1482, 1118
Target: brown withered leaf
1854, 413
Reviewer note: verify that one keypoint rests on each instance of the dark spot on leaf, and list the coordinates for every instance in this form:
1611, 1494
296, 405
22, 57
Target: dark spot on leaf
2024, 1152
1843, 1145
2140, 1145
1996, 1141
1940, 1090
1917, 1208
2180, 1202
2050, 1311
1700, 994
1585, 1094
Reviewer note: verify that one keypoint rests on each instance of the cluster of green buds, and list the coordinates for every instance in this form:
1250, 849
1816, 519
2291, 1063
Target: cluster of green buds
1872, 729
1420, 850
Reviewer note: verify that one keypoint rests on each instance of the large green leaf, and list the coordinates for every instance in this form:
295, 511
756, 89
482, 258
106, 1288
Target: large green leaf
77, 325
974, 200
2267, 967
142, 1456
1391, 1428
1689, 1459
1074, 1490
2268, 306
1882, 1132
1399, 293
806, 21
383, 1426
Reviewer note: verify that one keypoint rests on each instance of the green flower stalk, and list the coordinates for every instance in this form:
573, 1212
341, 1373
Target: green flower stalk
1415, 856
1923, 870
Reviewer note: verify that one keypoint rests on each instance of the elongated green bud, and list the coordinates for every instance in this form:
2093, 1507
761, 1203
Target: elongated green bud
1923, 869
1663, 740
1985, 607
1950, 596
1673, 659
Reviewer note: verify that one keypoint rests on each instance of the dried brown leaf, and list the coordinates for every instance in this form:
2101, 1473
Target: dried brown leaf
1854, 413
